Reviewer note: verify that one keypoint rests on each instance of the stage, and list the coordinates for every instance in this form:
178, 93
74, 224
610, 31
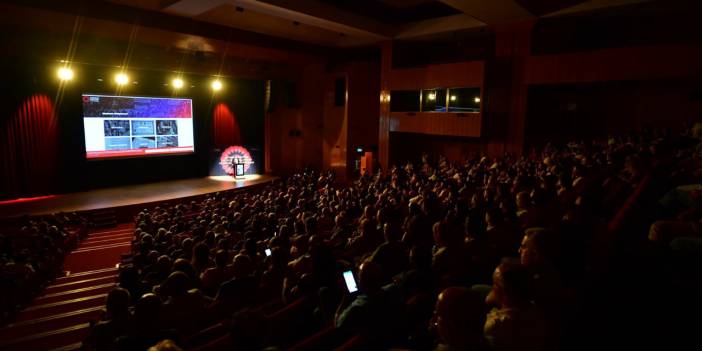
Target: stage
128, 196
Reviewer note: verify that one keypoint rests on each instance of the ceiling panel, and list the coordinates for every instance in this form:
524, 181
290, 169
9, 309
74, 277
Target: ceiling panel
592, 5
541, 7
389, 12
342, 23
492, 11
262, 23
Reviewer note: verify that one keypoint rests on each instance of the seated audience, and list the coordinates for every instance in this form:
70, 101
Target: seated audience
116, 323
515, 323
458, 318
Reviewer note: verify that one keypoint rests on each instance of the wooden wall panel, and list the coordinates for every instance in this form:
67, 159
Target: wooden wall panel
335, 133
290, 153
633, 63
461, 74
363, 108
384, 122
450, 124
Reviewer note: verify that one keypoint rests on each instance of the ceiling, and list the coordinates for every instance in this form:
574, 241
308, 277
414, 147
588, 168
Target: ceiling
353, 23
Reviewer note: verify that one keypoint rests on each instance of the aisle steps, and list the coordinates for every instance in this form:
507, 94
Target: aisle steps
60, 318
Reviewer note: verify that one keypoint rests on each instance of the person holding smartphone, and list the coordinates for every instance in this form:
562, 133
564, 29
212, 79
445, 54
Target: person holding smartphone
370, 309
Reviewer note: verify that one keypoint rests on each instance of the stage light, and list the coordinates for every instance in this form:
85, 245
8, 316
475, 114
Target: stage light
177, 83
216, 85
476, 99
65, 73
121, 78
431, 96
453, 97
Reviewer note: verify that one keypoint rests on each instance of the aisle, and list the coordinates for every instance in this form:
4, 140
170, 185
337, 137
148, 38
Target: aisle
60, 318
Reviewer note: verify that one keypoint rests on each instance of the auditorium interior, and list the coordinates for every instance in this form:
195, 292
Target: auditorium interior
473, 175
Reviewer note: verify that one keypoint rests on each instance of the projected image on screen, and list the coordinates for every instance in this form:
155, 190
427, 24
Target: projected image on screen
143, 142
143, 128
116, 128
118, 144
166, 127
167, 141
125, 126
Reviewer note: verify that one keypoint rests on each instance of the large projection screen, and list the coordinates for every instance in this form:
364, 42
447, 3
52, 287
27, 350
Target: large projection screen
133, 126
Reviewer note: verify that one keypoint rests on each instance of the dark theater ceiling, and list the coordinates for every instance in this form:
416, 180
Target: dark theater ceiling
353, 23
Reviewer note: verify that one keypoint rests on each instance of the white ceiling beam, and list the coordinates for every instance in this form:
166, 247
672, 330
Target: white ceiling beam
439, 25
492, 11
321, 15
192, 8
592, 5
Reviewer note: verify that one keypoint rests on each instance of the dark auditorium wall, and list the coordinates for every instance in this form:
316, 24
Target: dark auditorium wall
595, 110
314, 131
350, 114
627, 67
364, 104
296, 123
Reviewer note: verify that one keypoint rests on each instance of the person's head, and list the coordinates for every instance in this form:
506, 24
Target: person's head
299, 227
147, 311
370, 277
537, 248
366, 227
147, 241
493, 216
311, 225
446, 234
221, 258
523, 200
177, 284
128, 276
392, 232
459, 317
183, 265
420, 257
369, 212
187, 244
510, 286
251, 247
241, 266
165, 345
164, 263
117, 303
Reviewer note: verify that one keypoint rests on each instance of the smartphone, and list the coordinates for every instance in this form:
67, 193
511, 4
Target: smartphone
350, 282
268, 252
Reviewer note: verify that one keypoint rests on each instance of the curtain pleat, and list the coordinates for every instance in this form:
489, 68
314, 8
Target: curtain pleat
225, 127
30, 149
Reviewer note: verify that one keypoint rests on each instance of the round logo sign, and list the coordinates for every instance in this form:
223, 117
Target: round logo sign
235, 155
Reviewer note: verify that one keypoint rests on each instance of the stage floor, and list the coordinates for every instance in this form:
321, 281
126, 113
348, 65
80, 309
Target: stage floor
127, 195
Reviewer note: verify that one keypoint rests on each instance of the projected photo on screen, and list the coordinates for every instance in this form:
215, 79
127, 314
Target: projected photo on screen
126, 126
167, 141
143, 128
116, 128
143, 142
166, 127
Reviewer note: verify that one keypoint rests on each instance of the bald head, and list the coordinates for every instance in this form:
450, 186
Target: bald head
370, 277
459, 316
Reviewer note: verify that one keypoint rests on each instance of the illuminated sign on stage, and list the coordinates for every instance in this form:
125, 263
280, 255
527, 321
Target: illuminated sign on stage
235, 155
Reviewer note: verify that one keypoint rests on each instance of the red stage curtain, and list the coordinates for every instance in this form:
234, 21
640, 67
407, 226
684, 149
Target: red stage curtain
29, 149
225, 127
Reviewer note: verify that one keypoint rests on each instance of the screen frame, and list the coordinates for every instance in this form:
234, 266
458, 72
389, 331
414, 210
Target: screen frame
167, 154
